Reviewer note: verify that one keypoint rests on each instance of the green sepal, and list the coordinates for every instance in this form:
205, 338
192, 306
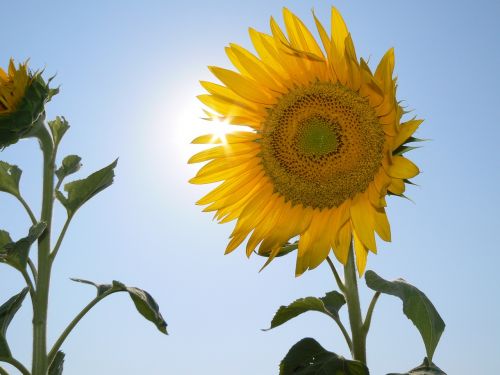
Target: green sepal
7, 312
57, 365
330, 305
416, 306
70, 164
18, 123
80, 191
58, 128
285, 249
308, 357
16, 254
10, 175
403, 149
143, 301
426, 368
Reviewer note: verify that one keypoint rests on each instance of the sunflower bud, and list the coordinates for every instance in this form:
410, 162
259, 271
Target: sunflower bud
23, 95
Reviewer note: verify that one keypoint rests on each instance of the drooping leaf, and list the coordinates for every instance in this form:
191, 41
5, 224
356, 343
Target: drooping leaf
330, 305
80, 191
143, 301
9, 178
56, 367
426, 368
7, 312
16, 253
308, 357
70, 164
416, 306
58, 128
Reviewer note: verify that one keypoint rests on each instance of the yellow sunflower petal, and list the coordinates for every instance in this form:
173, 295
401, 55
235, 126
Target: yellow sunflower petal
361, 252
403, 168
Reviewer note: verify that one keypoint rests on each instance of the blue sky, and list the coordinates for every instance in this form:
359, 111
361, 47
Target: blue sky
129, 75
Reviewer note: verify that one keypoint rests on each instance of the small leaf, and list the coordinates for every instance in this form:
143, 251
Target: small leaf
9, 178
330, 305
426, 368
81, 191
101, 288
143, 301
7, 312
56, 367
16, 253
416, 306
70, 164
58, 128
308, 357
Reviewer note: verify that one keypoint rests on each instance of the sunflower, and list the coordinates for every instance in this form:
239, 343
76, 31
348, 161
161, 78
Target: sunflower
324, 145
22, 99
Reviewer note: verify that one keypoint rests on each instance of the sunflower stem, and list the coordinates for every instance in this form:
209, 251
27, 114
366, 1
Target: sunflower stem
40, 363
354, 309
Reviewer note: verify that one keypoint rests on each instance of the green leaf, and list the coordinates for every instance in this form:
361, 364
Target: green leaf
70, 164
143, 301
426, 368
416, 306
308, 357
330, 305
7, 312
58, 128
9, 178
16, 253
81, 191
56, 367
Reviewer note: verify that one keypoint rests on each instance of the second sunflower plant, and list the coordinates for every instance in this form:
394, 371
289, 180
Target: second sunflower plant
326, 144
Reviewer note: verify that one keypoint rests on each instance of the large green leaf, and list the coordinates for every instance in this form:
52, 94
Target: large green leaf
143, 301
70, 164
58, 128
426, 368
16, 253
81, 191
308, 357
7, 312
57, 365
416, 306
330, 305
9, 178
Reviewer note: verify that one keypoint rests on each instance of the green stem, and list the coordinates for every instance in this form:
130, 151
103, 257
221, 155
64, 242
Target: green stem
336, 275
3, 372
40, 364
60, 239
27, 208
29, 283
352, 299
75, 321
16, 364
369, 313
33, 269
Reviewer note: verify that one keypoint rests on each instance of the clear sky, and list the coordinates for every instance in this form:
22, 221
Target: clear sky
129, 73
